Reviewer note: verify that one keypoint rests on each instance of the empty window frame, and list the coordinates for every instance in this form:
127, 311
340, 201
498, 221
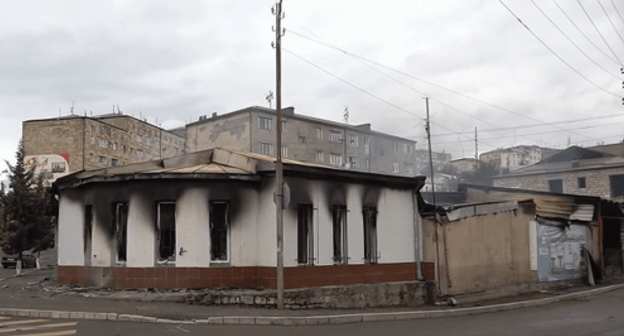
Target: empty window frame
335, 159
120, 225
319, 133
366, 146
616, 183
366, 163
320, 156
339, 216
335, 136
219, 228
581, 183
305, 234
166, 226
302, 140
395, 167
264, 148
265, 123
353, 139
408, 149
370, 235
284, 151
86, 233
353, 162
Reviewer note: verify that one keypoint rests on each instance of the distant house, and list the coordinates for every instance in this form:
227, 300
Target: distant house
207, 219
576, 170
512, 158
465, 165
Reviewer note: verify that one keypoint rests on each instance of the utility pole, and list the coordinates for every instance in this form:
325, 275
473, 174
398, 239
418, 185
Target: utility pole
428, 127
476, 148
279, 172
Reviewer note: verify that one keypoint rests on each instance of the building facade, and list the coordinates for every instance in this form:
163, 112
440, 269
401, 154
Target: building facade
57, 146
207, 219
305, 139
576, 170
509, 159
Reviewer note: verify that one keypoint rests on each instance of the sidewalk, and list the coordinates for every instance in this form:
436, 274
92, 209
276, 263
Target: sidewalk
33, 295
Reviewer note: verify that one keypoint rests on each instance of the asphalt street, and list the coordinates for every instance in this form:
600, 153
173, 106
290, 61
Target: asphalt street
600, 315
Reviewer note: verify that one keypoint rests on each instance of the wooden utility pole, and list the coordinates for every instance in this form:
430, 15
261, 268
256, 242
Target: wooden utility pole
430, 155
279, 172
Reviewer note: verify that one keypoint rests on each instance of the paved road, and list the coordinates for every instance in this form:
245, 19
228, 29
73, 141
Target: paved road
601, 315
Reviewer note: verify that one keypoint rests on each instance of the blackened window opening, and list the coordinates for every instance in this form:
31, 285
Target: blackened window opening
166, 231
218, 231
305, 247
121, 230
88, 228
370, 235
339, 216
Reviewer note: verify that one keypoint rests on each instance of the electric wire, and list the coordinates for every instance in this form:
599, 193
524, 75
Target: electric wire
574, 44
617, 11
427, 82
598, 31
556, 55
610, 21
585, 35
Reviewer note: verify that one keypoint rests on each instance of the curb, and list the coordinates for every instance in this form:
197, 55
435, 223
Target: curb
305, 320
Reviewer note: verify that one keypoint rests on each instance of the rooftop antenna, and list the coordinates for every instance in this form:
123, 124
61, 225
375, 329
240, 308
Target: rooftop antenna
345, 115
269, 97
72, 108
118, 110
60, 112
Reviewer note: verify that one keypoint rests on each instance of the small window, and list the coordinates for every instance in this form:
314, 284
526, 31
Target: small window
353, 161
265, 123
335, 136
366, 146
555, 186
335, 159
284, 152
339, 216
139, 153
617, 185
120, 212
319, 133
302, 140
284, 126
103, 160
305, 237
103, 143
407, 149
581, 182
353, 140
265, 148
395, 146
395, 167
320, 156
409, 168
219, 224
370, 235
166, 226
366, 163
114, 162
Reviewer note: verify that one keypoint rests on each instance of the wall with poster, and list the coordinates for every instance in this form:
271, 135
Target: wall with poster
50, 166
559, 251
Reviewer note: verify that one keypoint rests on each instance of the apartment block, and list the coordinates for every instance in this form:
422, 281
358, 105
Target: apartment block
304, 138
62, 145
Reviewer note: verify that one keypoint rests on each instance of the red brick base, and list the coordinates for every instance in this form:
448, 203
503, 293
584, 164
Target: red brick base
238, 277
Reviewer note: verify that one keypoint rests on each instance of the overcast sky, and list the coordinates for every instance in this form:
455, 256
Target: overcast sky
173, 61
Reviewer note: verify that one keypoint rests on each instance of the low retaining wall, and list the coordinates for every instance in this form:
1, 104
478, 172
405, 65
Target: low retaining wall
352, 296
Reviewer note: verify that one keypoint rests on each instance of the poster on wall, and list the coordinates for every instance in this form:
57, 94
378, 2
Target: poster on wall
559, 252
50, 166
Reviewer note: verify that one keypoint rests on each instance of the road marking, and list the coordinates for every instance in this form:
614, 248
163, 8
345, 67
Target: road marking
41, 326
10, 323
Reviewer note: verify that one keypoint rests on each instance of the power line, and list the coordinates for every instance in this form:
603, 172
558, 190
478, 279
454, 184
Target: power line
598, 31
617, 11
609, 17
585, 35
554, 53
424, 81
574, 44
351, 85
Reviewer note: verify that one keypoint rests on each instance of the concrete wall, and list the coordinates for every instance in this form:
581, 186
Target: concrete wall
232, 133
55, 137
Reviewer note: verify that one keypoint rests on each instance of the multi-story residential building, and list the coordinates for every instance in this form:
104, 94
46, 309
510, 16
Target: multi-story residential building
305, 139
58, 146
509, 159
439, 159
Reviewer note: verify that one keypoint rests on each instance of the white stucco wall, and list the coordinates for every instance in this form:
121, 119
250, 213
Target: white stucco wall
70, 233
141, 230
192, 228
